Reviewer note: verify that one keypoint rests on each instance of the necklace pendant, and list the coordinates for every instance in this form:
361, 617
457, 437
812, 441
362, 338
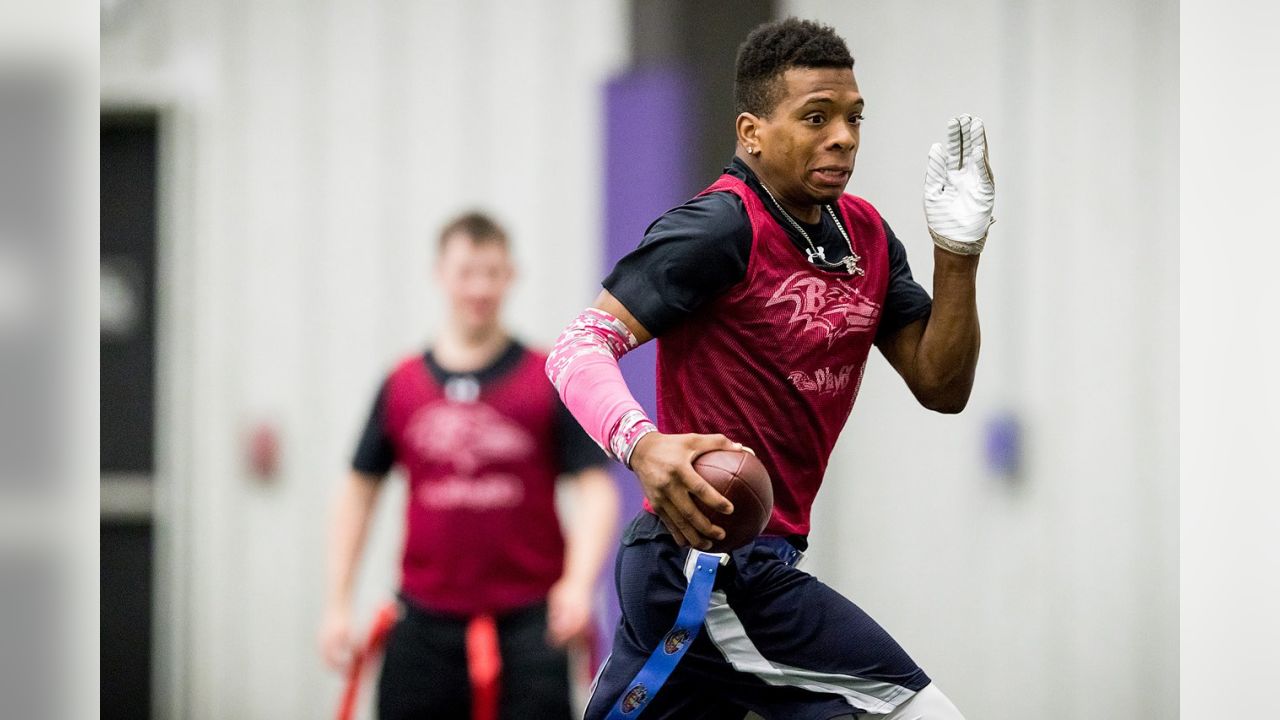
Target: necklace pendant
816, 255
851, 265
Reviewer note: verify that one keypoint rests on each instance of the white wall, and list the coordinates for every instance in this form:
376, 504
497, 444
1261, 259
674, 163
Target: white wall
1054, 597
312, 149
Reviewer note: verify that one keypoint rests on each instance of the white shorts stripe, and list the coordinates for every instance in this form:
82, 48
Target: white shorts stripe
726, 631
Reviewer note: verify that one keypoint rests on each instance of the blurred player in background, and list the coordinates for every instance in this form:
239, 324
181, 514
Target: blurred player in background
767, 292
482, 438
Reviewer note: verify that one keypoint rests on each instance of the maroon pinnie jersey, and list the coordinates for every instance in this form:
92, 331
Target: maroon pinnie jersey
775, 362
482, 532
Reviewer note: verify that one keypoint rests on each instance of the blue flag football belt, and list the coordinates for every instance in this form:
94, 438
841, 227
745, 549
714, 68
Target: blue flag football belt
693, 611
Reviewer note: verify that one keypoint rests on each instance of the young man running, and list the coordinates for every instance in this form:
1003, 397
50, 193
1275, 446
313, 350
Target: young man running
766, 293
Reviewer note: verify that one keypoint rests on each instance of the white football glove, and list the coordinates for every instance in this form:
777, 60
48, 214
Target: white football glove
959, 192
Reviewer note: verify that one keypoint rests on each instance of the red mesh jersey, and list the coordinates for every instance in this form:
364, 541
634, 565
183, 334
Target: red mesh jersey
776, 361
482, 532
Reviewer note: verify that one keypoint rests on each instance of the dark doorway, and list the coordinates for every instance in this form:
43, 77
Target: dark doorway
129, 155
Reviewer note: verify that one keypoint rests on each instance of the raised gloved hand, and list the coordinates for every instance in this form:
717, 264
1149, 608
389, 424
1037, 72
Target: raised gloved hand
959, 192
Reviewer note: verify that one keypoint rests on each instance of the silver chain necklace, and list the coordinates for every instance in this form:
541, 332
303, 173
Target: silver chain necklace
816, 253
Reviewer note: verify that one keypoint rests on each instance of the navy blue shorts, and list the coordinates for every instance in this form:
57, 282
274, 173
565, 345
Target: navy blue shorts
776, 641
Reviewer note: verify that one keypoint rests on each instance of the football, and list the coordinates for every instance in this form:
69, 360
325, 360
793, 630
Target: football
739, 476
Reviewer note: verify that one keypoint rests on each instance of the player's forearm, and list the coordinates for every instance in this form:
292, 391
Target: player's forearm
591, 532
583, 367
352, 511
947, 356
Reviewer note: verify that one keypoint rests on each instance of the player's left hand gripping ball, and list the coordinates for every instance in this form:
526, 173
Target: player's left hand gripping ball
959, 191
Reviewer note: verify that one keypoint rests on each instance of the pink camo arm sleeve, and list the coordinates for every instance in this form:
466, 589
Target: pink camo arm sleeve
583, 366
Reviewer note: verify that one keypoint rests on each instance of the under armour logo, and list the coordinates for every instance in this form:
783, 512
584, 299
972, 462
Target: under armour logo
462, 389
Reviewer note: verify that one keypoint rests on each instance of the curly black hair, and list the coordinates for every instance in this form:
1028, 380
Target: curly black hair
774, 47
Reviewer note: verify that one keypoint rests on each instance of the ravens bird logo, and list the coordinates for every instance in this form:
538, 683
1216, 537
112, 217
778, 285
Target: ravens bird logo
833, 310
